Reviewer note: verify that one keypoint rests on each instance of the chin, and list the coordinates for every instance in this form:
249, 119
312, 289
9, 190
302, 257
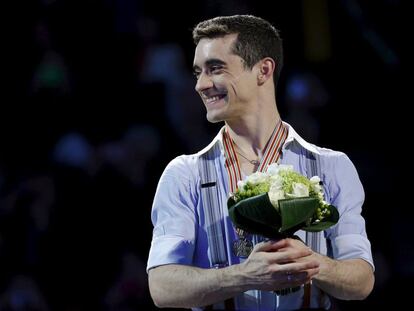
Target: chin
214, 118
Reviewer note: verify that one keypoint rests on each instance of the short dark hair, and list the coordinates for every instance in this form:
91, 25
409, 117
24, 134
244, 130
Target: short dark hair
256, 38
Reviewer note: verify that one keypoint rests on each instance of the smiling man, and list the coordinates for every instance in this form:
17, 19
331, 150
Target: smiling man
198, 259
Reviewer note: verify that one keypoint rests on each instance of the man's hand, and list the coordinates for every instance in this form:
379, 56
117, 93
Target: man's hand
271, 266
277, 265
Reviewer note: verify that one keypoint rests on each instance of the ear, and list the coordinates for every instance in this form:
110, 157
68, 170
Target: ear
266, 69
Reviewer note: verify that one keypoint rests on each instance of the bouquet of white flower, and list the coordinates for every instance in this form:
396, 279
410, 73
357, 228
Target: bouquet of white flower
279, 202
276, 204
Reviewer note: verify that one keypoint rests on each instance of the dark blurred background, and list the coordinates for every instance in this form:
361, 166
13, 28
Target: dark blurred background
97, 97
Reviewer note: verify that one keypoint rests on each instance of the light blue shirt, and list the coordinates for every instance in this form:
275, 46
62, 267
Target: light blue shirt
179, 235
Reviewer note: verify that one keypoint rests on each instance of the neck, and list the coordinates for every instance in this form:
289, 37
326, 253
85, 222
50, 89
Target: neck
253, 132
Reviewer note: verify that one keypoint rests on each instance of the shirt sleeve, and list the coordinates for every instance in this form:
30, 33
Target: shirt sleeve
173, 217
348, 237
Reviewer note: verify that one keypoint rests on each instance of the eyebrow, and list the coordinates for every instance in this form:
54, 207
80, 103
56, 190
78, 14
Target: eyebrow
210, 62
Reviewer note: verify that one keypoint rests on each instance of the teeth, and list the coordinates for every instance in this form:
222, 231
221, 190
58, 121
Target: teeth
212, 99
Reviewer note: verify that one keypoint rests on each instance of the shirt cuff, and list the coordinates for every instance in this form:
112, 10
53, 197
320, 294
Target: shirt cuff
170, 250
352, 246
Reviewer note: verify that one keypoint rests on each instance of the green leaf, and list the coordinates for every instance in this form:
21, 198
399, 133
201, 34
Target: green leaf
327, 222
296, 212
256, 215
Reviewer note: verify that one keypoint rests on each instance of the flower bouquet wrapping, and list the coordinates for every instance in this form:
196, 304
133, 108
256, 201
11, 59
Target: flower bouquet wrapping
277, 203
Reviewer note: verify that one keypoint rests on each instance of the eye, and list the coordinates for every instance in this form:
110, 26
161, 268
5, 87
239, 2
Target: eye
215, 69
196, 74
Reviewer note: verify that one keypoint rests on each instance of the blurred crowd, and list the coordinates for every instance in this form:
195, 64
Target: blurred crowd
100, 97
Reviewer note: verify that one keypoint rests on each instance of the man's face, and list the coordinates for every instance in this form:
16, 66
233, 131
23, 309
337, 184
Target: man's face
225, 86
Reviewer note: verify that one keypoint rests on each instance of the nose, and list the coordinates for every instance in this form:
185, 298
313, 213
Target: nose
204, 82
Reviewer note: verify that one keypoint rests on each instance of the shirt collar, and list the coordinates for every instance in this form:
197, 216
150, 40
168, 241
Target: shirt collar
217, 140
293, 136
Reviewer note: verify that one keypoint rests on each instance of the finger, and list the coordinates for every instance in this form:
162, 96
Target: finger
295, 279
312, 273
288, 280
288, 255
302, 277
271, 245
293, 243
296, 267
306, 275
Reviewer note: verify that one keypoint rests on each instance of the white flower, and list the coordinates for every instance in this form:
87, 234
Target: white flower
274, 168
316, 187
280, 188
275, 194
241, 184
315, 180
299, 190
276, 181
282, 182
257, 178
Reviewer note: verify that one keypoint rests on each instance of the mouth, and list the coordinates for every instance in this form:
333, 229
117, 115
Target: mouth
211, 100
